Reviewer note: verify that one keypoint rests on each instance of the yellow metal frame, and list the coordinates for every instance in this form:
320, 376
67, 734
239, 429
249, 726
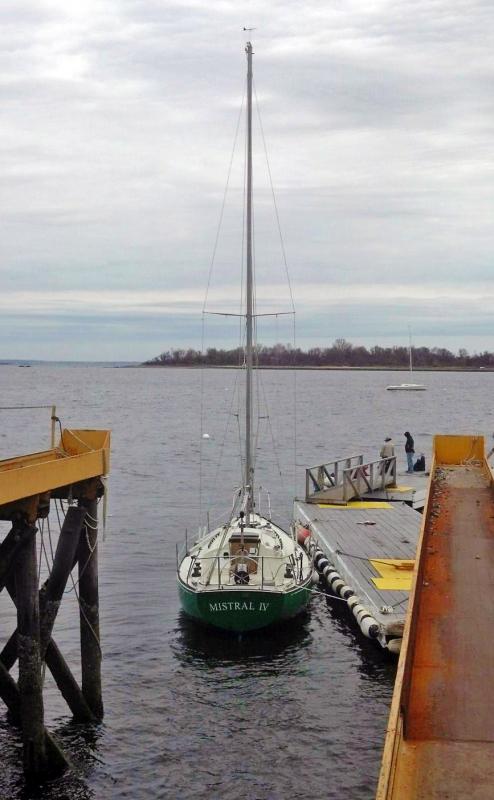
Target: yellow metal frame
458, 449
80, 455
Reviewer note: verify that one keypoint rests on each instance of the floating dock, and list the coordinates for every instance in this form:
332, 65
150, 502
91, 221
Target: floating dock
440, 736
371, 548
366, 527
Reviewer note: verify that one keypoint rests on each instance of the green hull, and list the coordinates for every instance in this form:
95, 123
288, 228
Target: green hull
243, 610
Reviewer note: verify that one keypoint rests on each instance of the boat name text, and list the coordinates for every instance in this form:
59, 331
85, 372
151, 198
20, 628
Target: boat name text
235, 605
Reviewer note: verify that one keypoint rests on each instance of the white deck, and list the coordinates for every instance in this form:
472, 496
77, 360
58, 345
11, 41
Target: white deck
267, 554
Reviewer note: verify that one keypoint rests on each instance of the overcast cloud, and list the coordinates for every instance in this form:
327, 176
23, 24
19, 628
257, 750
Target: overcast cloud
118, 119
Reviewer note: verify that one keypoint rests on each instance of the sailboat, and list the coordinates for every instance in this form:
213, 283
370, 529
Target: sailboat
408, 387
248, 573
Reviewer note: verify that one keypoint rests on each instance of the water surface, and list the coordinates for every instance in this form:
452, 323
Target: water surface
194, 714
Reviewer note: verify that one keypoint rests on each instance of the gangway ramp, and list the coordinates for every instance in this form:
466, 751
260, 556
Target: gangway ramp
440, 738
345, 479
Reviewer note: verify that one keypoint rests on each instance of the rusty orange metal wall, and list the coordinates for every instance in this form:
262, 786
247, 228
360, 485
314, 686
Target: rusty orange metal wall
430, 745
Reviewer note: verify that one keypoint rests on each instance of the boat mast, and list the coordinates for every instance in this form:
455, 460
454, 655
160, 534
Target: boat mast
410, 349
249, 467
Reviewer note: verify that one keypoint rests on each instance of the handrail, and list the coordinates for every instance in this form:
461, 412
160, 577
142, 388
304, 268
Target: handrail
369, 477
53, 417
333, 482
242, 557
329, 475
340, 460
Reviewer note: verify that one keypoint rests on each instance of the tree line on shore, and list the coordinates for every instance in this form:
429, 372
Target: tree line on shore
340, 354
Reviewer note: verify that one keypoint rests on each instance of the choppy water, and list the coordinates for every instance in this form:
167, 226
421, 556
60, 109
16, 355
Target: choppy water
191, 714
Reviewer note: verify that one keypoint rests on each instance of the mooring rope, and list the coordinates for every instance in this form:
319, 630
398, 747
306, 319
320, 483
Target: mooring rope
42, 549
377, 560
93, 632
331, 596
92, 550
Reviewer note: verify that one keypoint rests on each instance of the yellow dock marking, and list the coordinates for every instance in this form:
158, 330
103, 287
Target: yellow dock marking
396, 574
392, 489
357, 504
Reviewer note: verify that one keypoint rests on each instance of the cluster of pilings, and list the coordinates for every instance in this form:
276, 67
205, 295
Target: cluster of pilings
32, 643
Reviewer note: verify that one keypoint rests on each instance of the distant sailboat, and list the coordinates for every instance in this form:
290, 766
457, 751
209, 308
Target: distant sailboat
408, 387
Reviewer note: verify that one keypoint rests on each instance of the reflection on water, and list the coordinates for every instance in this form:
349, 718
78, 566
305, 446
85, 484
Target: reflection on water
211, 647
375, 663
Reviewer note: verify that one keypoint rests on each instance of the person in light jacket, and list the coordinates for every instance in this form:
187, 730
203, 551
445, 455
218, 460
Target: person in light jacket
387, 451
409, 450
388, 448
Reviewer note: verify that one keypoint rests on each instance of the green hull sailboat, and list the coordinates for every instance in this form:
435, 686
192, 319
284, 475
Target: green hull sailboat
243, 577
249, 573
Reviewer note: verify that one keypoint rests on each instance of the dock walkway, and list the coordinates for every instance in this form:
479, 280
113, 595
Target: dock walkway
372, 548
440, 736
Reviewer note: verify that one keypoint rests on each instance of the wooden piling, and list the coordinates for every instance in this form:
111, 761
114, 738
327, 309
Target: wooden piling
49, 600
28, 646
10, 547
52, 592
28, 485
10, 694
67, 684
89, 609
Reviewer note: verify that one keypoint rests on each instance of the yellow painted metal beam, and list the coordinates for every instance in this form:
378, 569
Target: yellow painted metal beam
81, 455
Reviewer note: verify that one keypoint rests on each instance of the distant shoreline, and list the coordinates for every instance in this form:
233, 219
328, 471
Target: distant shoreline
299, 367
307, 368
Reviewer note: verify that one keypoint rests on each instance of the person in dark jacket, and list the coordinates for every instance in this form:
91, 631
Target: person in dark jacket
409, 450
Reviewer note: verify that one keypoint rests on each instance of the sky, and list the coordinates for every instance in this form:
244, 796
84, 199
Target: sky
118, 124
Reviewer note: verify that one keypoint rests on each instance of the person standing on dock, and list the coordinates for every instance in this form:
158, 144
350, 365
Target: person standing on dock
387, 451
388, 448
409, 450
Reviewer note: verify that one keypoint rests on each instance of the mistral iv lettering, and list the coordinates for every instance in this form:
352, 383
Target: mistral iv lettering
235, 605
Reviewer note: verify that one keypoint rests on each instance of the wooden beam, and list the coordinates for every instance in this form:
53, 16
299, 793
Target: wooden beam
89, 610
9, 692
58, 667
29, 684
52, 592
67, 684
10, 548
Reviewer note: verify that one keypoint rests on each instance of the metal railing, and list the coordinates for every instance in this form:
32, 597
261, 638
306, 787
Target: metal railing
369, 477
220, 571
347, 478
330, 475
